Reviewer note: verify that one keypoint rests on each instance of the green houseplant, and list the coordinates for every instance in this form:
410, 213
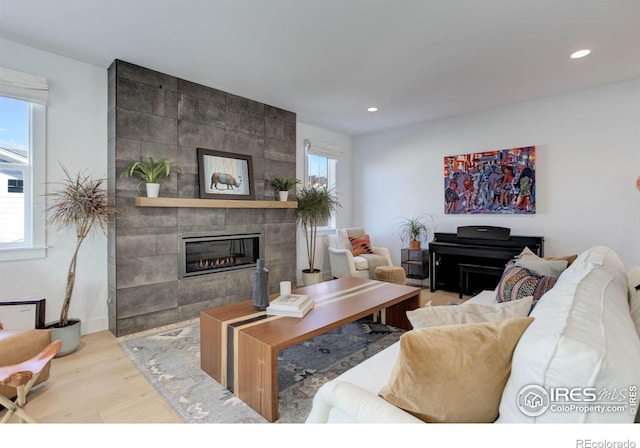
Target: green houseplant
282, 185
149, 171
315, 205
81, 204
417, 230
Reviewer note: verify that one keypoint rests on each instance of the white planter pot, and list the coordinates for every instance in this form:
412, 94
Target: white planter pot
153, 190
311, 278
69, 335
284, 195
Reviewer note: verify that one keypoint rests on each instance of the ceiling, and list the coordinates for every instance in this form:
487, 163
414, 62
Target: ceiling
328, 60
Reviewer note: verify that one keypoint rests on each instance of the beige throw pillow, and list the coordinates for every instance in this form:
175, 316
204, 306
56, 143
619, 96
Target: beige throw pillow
434, 316
454, 373
540, 266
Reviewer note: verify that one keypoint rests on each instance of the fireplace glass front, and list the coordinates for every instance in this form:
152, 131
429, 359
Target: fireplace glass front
212, 254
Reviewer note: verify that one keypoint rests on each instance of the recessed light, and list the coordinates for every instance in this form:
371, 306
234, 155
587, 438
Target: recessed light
372, 109
580, 54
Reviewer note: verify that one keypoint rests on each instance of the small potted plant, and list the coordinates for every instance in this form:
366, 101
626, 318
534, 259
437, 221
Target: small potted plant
150, 172
416, 231
81, 204
315, 205
282, 185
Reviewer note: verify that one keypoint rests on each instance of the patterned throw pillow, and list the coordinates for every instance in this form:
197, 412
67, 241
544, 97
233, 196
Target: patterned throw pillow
518, 282
360, 245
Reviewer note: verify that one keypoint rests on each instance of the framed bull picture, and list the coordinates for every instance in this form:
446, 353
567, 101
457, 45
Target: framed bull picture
224, 175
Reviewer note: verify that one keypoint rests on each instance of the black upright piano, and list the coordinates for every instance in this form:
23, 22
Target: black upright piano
475, 245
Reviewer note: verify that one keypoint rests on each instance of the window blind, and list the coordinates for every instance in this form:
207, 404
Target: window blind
23, 86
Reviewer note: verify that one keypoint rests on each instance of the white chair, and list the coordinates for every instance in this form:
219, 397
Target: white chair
344, 264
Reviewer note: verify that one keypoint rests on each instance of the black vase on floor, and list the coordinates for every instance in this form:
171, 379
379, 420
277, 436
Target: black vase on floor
260, 282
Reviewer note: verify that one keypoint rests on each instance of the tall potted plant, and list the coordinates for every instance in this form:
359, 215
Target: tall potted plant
81, 204
315, 205
416, 231
150, 172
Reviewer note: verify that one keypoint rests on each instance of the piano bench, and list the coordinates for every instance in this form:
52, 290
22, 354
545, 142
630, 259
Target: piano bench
465, 269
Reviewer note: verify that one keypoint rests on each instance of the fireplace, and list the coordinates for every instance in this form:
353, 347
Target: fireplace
201, 255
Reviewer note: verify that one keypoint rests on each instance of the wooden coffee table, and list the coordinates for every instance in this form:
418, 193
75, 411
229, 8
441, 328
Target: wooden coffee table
239, 346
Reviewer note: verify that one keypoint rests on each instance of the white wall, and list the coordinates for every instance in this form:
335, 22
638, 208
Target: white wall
344, 190
77, 139
588, 157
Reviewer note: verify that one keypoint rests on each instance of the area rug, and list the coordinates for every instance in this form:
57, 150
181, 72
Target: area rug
169, 358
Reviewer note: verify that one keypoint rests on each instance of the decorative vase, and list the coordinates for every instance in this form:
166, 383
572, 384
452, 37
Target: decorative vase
260, 282
153, 190
284, 195
414, 245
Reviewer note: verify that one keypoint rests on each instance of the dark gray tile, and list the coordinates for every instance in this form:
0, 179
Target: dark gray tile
127, 149
245, 122
146, 322
144, 126
188, 160
279, 168
111, 124
279, 233
279, 114
146, 216
203, 92
239, 216
238, 286
201, 289
200, 135
201, 216
200, 111
139, 300
136, 246
138, 271
280, 215
241, 143
142, 97
192, 310
167, 243
145, 75
279, 253
188, 186
280, 150
279, 129
192, 230
238, 102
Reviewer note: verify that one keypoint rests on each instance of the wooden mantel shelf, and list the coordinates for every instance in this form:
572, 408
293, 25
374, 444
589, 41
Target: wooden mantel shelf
211, 203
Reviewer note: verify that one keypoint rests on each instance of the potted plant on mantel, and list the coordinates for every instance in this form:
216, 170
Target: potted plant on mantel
416, 231
82, 203
282, 185
150, 172
315, 205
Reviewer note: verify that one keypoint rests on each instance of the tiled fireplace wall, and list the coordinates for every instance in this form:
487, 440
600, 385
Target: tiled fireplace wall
151, 113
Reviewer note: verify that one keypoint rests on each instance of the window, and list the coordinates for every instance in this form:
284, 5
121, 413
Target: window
22, 136
320, 171
15, 185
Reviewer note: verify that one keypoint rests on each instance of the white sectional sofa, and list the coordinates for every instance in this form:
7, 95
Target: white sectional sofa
583, 340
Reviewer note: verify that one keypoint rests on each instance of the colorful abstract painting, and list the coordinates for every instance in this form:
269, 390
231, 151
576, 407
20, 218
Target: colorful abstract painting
492, 182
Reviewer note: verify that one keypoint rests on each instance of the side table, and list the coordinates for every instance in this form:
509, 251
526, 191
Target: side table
415, 263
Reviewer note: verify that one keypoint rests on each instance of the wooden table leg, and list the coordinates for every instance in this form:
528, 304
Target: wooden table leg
210, 347
396, 315
257, 376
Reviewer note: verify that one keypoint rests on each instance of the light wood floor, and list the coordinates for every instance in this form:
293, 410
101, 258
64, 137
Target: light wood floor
98, 383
